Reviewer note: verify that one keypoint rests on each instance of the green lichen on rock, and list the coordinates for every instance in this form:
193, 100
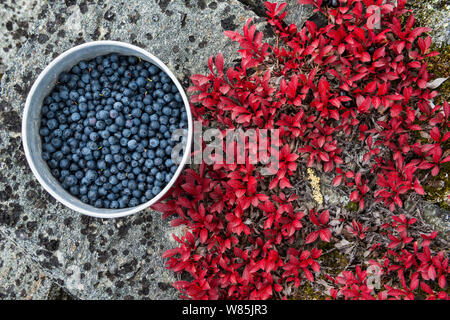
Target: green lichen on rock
439, 218
434, 14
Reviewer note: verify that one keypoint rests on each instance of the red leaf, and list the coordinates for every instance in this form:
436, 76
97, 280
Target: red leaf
163, 207
325, 235
426, 288
324, 217
219, 63
379, 53
435, 134
312, 237
203, 235
337, 181
284, 183
442, 281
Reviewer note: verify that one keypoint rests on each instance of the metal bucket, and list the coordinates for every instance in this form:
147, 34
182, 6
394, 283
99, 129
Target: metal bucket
32, 117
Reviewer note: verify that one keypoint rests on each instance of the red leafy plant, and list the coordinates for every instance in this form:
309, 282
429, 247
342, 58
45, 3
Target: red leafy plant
360, 81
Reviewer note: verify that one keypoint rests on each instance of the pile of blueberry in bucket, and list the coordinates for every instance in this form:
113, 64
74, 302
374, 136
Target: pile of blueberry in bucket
107, 127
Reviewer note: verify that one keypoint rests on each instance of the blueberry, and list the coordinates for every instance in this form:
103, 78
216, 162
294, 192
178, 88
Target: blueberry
154, 125
113, 180
102, 115
160, 176
132, 60
136, 112
101, 125
113, 114
132, 144
101, 165
168, 97
63, 77
105, 134
133, 86
86, 78
136, 156
109, 71
156, 190
127, 93
44, 132
94, 136
141, 81
48, 146
114, 205
168, 177
160, 153
142, 133
64, 164
133, 202
70, 180
147, 100
75, 117
115, 147
163, 129
92, 145
137, 194
74, 190
154, 142
45, 156
128, 123
153, 70
52, 124
92, 121
73, 95
168, 163
98, 203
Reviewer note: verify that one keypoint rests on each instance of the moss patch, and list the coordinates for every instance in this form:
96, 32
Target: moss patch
334, 261
352, 206
306, 292
437, 188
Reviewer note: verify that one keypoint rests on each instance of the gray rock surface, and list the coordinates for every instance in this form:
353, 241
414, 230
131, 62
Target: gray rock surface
439, 218
20, 278
296, 14
94, 258
434, 14
15, 19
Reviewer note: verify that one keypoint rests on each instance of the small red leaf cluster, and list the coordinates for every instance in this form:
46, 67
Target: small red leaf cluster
361, 80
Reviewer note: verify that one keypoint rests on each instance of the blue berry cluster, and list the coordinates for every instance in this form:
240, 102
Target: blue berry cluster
106, 130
